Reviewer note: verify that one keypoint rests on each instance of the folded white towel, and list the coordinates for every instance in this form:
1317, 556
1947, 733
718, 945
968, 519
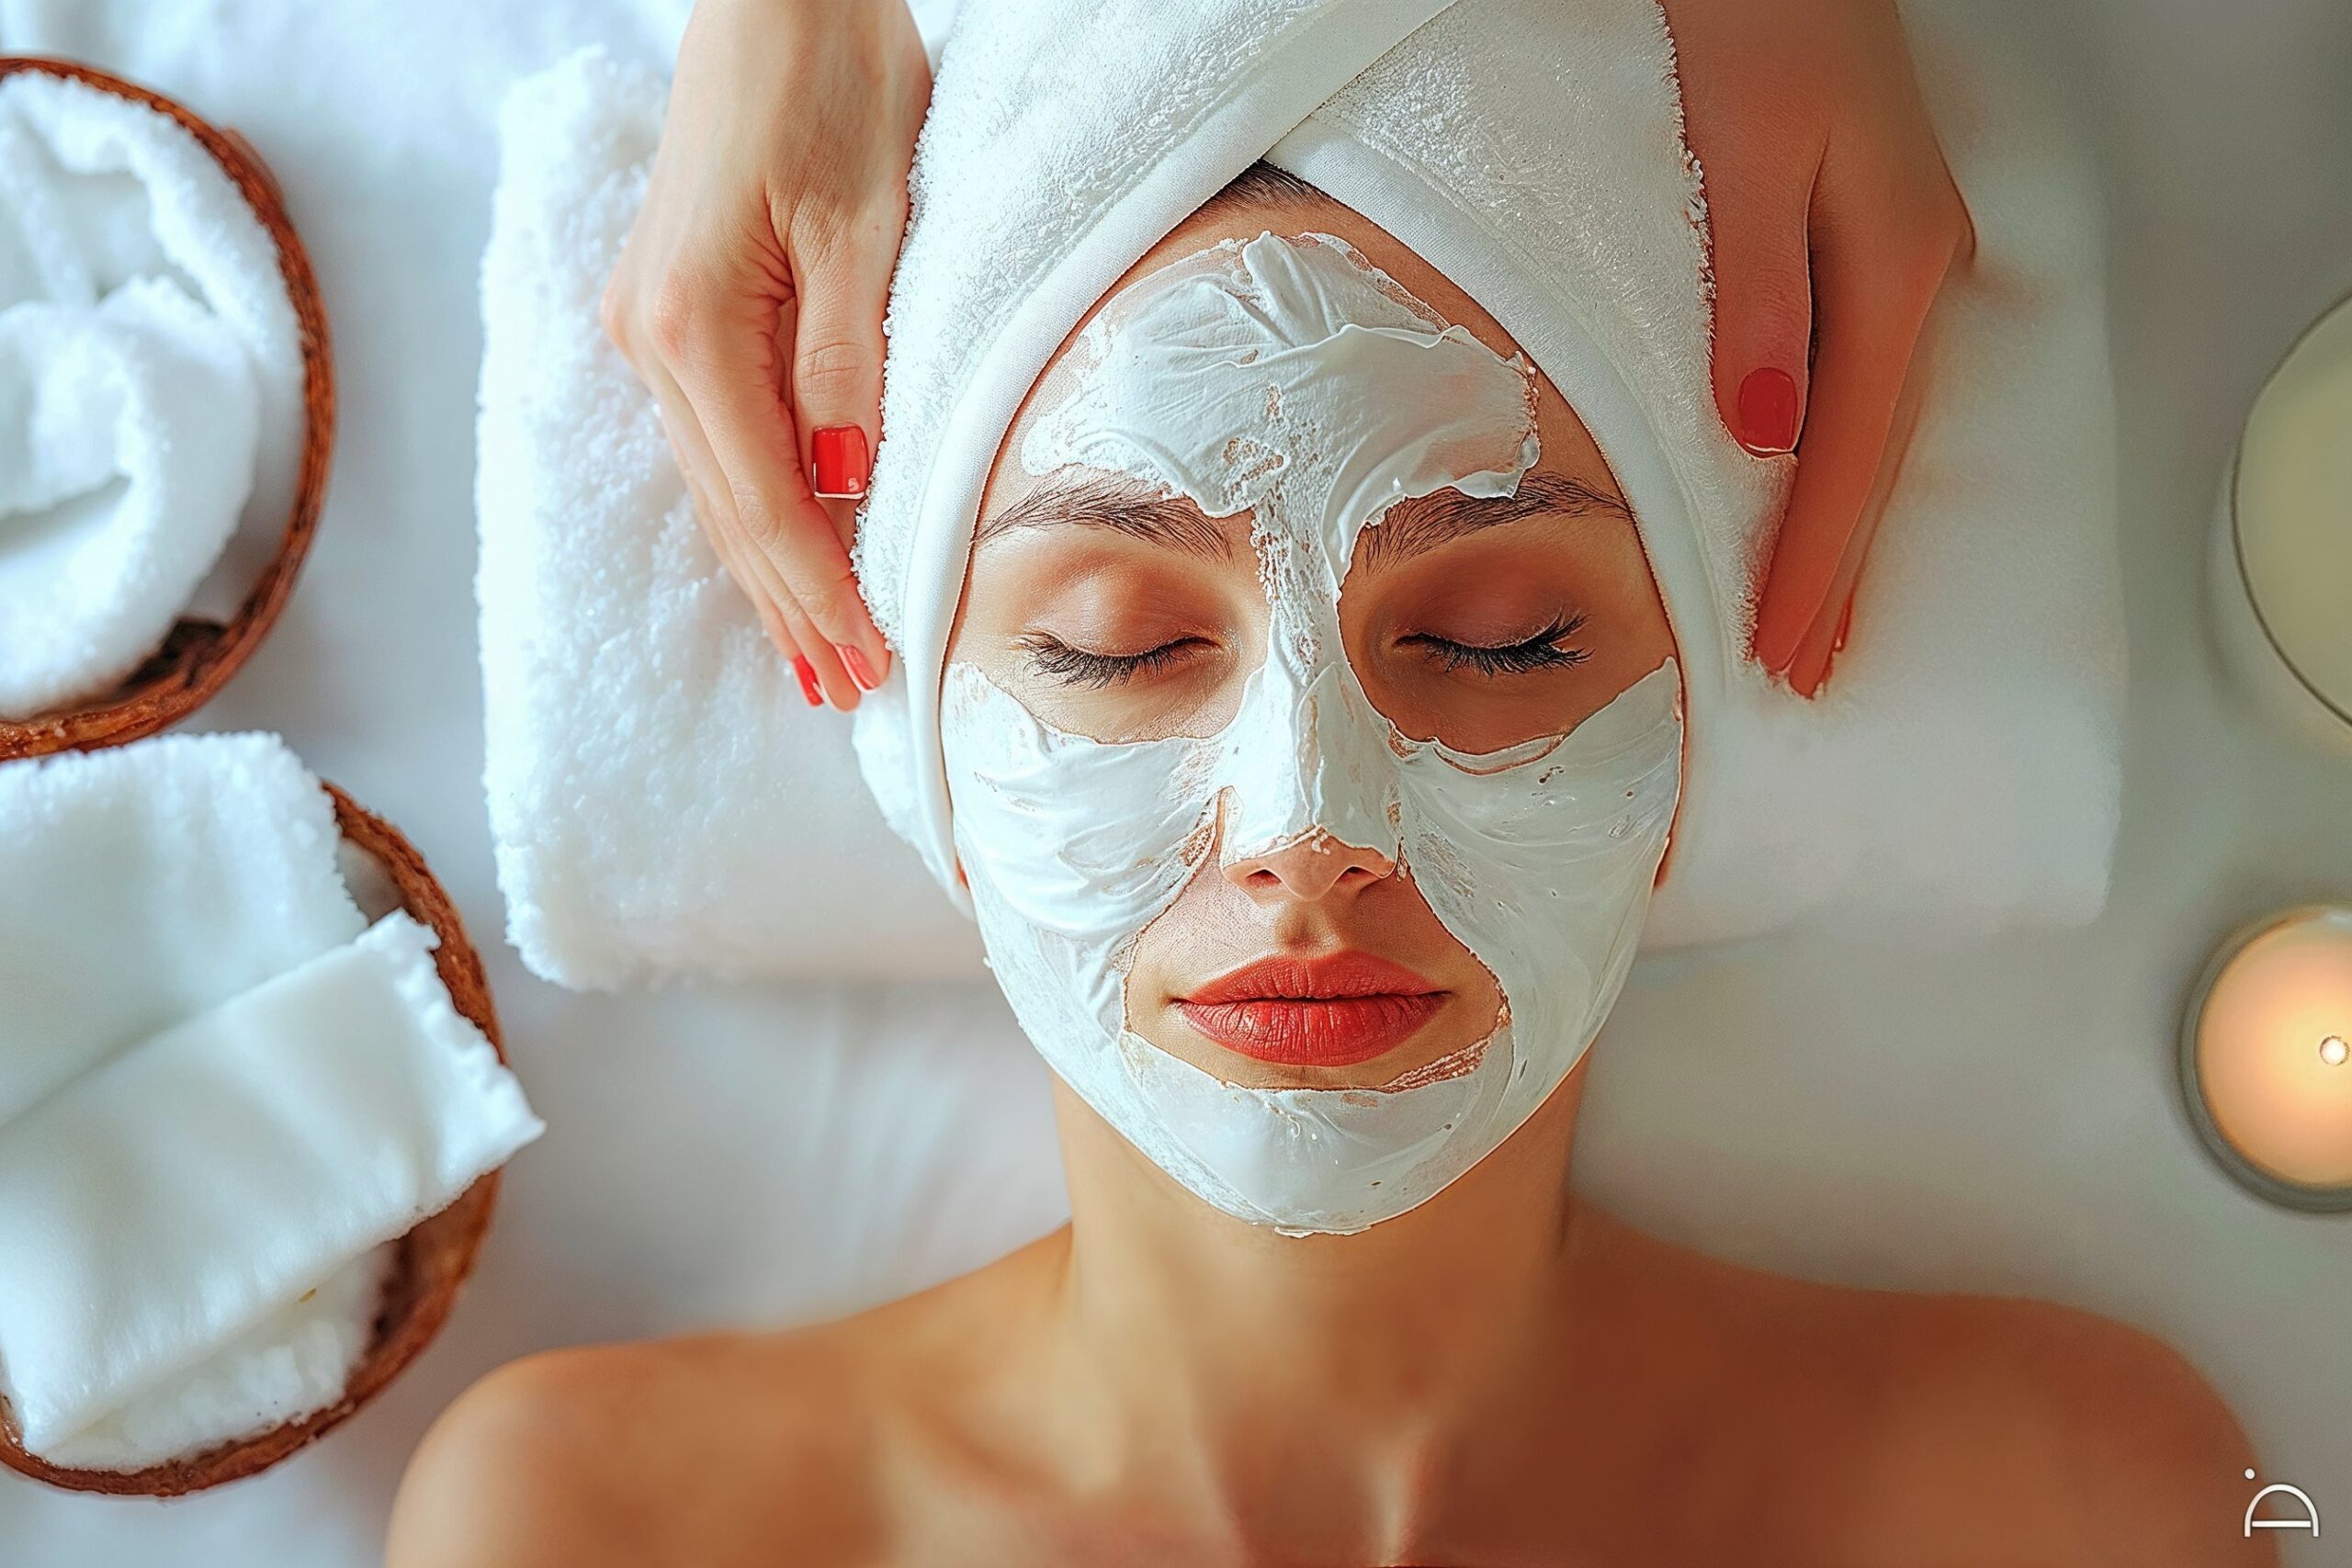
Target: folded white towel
151, 384
145, 884
174, 1199
295, 1362
1961, 772
665, 802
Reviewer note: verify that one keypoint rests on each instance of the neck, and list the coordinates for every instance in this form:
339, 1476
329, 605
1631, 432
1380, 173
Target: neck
1314, 1377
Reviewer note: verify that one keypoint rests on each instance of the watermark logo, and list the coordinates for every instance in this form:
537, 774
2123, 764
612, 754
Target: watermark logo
2305, 1519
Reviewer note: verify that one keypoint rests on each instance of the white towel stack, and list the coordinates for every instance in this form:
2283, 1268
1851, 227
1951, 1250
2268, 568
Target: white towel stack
218, 1095
665, 802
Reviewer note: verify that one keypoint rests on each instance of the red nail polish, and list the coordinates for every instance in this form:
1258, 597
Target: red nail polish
841, 461
1845, 624
809, 687
1767, 411
854, 662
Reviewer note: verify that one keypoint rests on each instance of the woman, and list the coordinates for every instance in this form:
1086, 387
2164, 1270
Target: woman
1248, 705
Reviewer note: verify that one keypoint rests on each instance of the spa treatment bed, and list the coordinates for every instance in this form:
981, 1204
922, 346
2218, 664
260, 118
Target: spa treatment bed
1884, 1108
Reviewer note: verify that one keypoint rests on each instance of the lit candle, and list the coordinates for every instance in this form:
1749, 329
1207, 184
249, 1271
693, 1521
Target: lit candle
2266, 1056
2282, 548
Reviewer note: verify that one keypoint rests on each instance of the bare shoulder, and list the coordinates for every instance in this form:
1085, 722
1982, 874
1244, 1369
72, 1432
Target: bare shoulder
715, 1449
709, 1451
2048, 1434
1874, 1426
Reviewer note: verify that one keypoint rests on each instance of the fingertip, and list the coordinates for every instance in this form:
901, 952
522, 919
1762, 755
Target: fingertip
841, 461
1809, 666
1767, 412
1810, 670
1778, 633
1762, 309
840, 689
853, 659
873, 667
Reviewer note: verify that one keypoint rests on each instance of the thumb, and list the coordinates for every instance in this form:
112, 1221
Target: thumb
842, 286
840, 289
1763, 303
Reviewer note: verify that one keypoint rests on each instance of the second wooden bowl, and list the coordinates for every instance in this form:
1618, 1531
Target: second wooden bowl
435, 1258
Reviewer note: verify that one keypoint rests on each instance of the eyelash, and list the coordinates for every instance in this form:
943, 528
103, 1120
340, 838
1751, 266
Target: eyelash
1540, 651
1079, 667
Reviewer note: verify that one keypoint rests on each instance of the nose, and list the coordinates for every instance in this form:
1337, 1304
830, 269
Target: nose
1310, 867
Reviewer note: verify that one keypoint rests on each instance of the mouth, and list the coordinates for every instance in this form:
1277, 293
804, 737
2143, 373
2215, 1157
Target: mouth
1334, 1010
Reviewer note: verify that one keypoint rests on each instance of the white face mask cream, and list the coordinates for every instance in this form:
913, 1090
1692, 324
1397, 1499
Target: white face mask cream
1290, 379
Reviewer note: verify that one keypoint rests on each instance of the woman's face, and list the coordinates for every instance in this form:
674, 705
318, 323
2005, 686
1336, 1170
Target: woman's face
1116, 608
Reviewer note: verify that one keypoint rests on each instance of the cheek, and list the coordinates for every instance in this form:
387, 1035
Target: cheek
1116, 642
1481, 594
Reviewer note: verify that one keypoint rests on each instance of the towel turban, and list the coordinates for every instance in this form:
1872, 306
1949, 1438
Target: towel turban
1965, 755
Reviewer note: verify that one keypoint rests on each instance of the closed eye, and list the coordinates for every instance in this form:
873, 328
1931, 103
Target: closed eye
1527, 656
1048, 655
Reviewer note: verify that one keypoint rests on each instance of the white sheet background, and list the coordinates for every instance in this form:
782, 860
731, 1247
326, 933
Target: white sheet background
1997, 1119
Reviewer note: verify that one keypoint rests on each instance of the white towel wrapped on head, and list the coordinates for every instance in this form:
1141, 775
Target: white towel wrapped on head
1961, 771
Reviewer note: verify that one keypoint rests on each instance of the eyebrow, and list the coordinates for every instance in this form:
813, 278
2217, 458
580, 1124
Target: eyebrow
1423, 522
1407, 529
1106, 501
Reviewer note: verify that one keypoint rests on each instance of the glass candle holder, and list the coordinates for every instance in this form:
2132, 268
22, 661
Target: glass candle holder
2266, 1056
2280, 568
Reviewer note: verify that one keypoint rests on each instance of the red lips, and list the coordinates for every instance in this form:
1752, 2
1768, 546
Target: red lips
1330, 1011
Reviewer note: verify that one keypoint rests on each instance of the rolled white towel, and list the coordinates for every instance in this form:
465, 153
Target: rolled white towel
133, 275
127, 439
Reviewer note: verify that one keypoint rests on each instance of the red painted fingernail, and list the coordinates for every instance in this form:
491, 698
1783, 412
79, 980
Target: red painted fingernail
1845, 624
1767, 411
809, 687
839, 451
854, 662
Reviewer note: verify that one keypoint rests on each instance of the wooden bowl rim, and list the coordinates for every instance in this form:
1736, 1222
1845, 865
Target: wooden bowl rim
198, 656
435, 1257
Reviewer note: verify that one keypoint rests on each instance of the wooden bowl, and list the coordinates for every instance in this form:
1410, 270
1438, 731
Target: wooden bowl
433, 1260
198, 656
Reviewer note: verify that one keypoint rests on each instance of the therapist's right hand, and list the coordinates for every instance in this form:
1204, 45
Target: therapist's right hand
748, 298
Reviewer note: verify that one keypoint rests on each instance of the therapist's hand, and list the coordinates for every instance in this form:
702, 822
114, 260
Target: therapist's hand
750, 295
1834, 221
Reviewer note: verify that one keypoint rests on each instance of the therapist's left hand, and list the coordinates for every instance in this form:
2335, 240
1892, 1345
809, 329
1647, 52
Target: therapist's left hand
1835, 222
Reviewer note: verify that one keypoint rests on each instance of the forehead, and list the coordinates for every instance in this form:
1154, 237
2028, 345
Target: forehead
1567, 447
